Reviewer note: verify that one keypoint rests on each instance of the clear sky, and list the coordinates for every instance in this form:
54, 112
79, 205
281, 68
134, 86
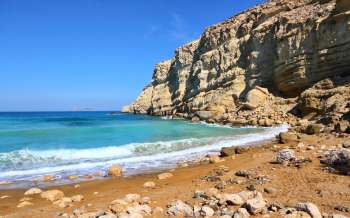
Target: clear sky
64, 54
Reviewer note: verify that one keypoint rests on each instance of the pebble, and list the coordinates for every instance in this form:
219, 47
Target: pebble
149, 185
164, 176
25, 204
33, 191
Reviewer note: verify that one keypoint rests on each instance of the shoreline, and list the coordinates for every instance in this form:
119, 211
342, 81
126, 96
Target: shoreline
193, 154
306, 182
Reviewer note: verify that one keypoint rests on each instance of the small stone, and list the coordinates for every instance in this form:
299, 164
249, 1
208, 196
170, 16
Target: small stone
33, 191
215, 159
24, 204
179, 208
77, 198
115, 171
285, 155
52, 195
64, 202
310, 208
77, 186
255, 205
164, 176
241, 213
72, 177
270, 190
207, 211
149, 185
140, 209
48, 178
130, 198
338, 216
4, 197
25, 199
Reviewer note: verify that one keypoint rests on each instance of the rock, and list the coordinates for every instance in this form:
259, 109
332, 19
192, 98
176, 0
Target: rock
287, 137
338, 216
195, 119
25, 199
255, 205
207, 211
215, 159
242, 173
230, 151
337, 157
24, 204
179, 208
64, 202
256, 97
270, 190
4, 197
48, 178
310, 208
140, 209
285, 155
118, 206
149, 185
342, 126
314, 129
241, 213
204, 115
145, 200
346, 144
77, 198
164, 176
131, 198
297, 214
33, 191
115, 171
230, 199
52, 195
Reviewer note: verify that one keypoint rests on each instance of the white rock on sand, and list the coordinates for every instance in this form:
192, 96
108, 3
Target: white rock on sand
165, 176
52, 195
310, 208
149, 185
115, 171
24, 204
33, 191
77, 198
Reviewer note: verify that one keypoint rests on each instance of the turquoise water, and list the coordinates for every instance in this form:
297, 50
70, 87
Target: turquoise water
79, 143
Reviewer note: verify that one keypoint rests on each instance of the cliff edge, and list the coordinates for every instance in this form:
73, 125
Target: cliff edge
279, 62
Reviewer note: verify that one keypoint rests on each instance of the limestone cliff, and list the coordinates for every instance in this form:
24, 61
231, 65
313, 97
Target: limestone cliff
260, 59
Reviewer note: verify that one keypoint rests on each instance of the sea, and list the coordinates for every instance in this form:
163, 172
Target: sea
60, 144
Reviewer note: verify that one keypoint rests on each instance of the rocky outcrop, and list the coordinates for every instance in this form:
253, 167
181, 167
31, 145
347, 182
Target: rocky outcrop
260, 60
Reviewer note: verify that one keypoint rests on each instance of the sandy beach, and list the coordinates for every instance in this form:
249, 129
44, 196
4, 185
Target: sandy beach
282, 184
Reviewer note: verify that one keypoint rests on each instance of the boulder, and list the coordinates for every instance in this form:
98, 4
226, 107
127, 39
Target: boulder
256, 97
33, 191
309, 208
164, 176
115, 171
285, 155
52, 195
230, 151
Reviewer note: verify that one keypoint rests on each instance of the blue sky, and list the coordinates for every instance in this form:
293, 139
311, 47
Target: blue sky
64, 54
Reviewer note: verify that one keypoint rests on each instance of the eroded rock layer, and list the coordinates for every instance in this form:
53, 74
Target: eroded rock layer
259, 60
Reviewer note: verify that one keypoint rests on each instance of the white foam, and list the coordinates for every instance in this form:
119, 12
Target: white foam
134, 158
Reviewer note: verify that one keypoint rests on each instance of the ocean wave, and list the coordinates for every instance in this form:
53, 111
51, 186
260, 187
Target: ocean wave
27, 164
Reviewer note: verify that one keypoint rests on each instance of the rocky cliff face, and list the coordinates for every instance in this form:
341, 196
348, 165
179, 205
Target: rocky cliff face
258, 60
